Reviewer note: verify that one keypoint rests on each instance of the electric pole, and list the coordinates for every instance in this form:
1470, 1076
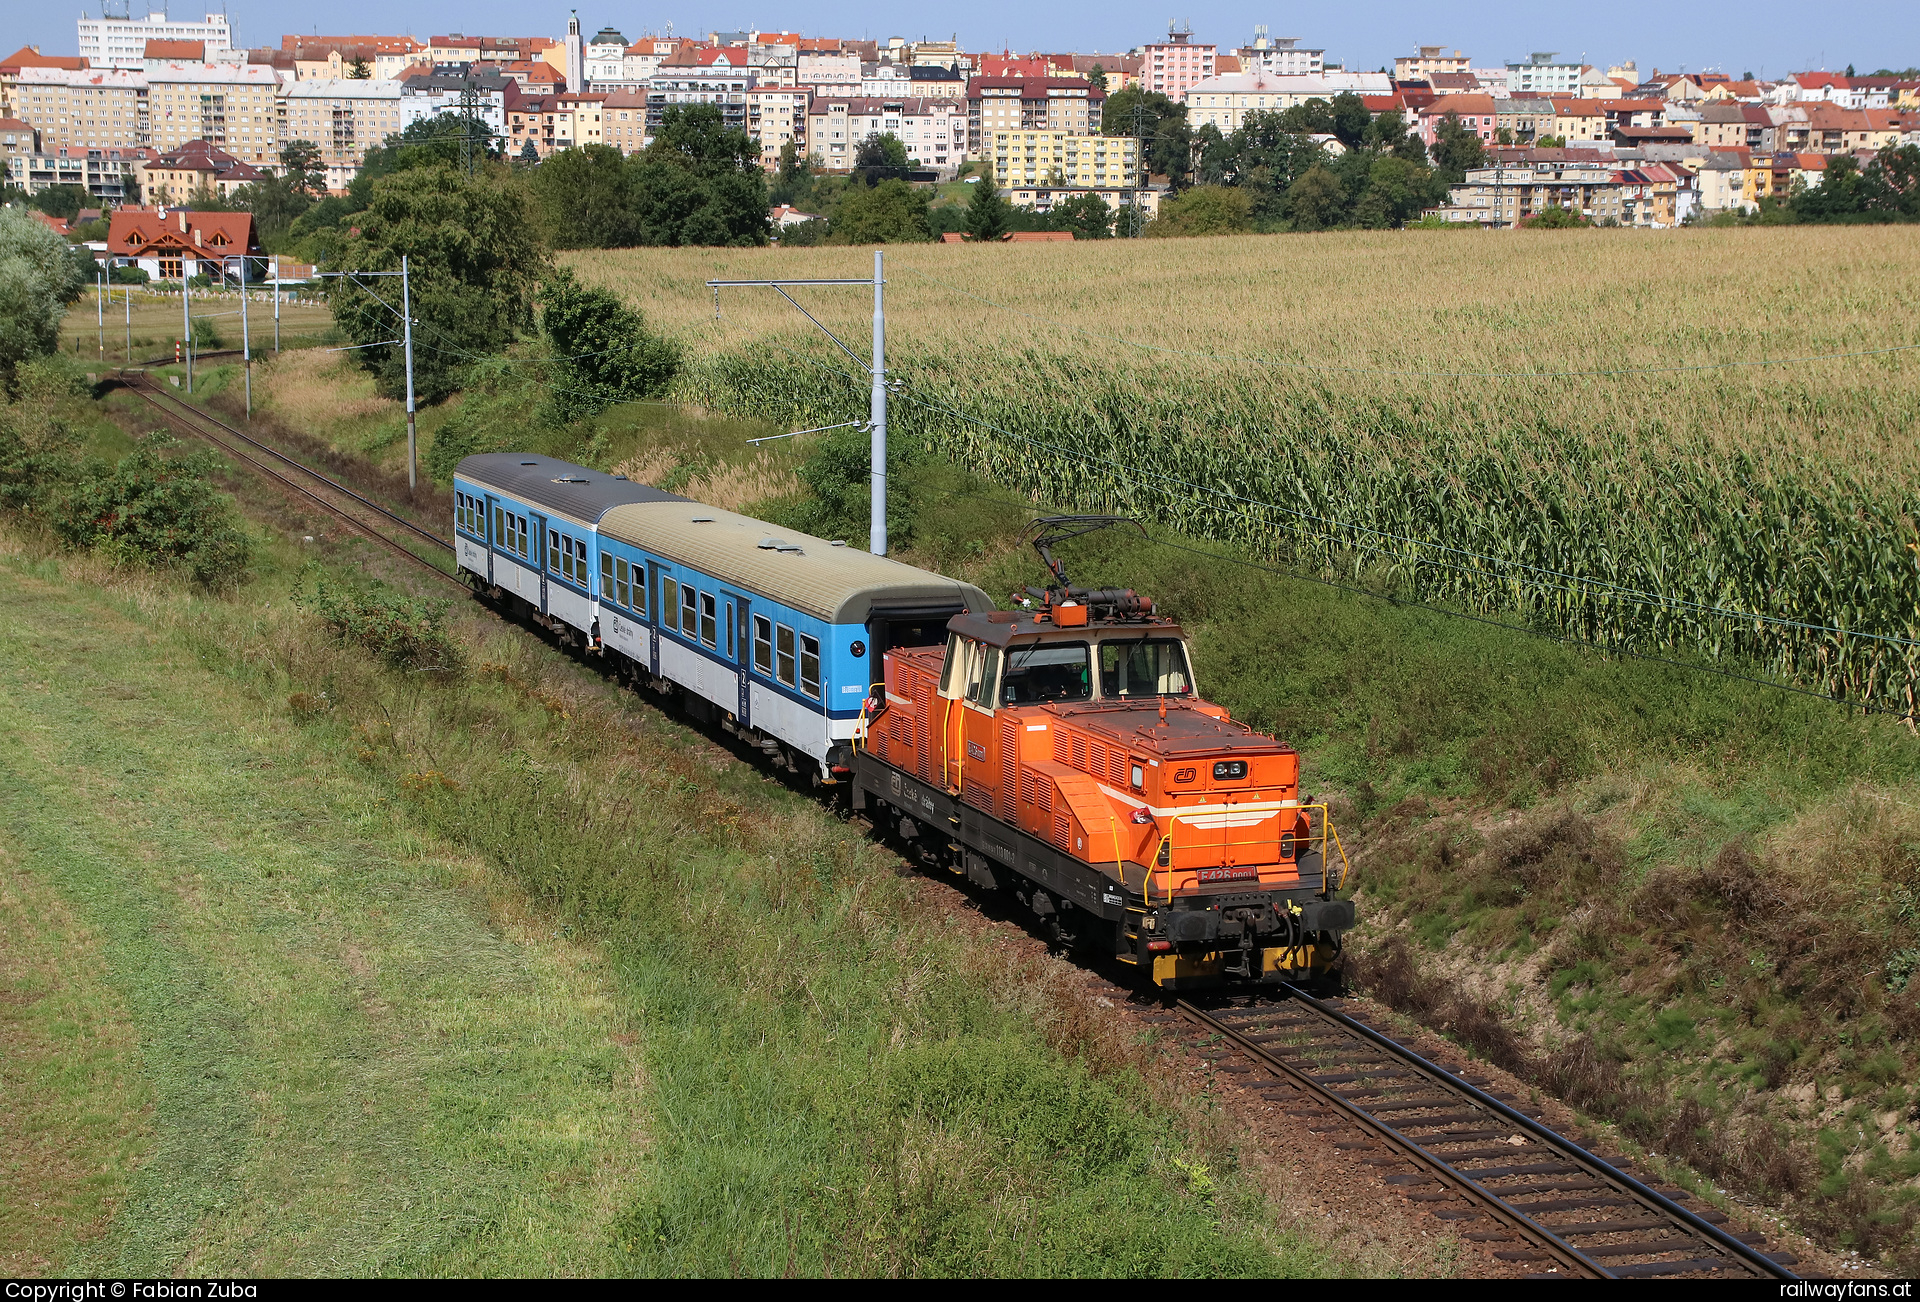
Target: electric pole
186, 324
406, 321
877, 526
877, 409
246, 341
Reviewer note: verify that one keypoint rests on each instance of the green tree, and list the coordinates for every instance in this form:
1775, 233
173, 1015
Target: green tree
1086, 215
62, 201
38, 446
1097, 78
1350, 119
300, 167
1455, 149
1843, 193
839, 477
475, 254
37, 281
1204, 210
699, 182
275, 204
606, 353
986, 210
1317, 200
1169, 141
359, 69
1555, 218
586, 198
881, 158
892, 212
1395, 192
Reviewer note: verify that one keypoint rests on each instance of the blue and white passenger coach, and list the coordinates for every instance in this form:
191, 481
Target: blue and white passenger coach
776, 635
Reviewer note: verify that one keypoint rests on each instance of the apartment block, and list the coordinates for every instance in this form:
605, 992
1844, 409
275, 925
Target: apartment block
1174, 65
1069, 104
345, 117
122, 42
232, 106
80, 109
777, 116
934, 131
1060, 158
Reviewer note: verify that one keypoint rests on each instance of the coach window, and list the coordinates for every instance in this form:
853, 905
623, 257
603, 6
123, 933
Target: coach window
763, 644
499, 526
729, 630
554, 555
523, 535
708, 632
783, 653
670, 603
609, 586
810, 666
689, 611
638, 589
580, 561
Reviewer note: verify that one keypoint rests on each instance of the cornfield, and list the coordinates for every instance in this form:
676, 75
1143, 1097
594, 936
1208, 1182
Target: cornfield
1564, 426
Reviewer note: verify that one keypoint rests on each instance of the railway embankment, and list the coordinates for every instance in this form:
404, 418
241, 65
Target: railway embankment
333, 967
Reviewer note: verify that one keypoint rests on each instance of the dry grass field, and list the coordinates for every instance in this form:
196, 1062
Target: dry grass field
1575, 426
94, 324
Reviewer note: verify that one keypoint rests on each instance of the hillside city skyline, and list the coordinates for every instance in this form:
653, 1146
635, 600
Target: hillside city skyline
1714, 37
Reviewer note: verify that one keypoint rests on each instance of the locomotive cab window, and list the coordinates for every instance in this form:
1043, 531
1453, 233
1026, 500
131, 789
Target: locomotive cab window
1155, 666
983, 674
1048, 671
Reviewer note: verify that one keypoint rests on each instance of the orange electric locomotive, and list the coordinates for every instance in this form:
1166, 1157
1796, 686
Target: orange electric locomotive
1061, 751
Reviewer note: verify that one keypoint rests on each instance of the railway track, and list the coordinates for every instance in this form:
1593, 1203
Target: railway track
1473, 1157
362, 514
1537, 1196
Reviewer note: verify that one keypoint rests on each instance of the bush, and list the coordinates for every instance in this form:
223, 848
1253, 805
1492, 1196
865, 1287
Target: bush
157, 512
201, 281
128, 274
608, 355
840, 475
37, 446
406, 632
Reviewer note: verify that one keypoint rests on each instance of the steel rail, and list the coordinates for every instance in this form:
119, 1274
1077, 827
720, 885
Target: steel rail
1459, 1181
338, 487
286, 481
1604, 1170
1463, 1181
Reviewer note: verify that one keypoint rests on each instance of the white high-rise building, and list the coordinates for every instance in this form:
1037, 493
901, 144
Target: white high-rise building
120, 41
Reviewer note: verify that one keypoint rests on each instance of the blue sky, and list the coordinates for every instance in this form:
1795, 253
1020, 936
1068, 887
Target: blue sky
1770, 35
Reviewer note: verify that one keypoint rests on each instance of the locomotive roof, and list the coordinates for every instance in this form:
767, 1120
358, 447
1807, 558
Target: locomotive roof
841, 585
573, 491
1001, 627
1185, 729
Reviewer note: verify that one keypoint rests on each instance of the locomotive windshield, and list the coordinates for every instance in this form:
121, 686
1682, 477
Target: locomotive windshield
1155, 666
1049, 671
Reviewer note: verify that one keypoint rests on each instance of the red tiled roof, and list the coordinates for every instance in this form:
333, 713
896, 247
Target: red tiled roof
57, 225
191, 51
28, 57
132, 233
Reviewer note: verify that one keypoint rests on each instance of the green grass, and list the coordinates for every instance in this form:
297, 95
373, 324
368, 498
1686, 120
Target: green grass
352, 1069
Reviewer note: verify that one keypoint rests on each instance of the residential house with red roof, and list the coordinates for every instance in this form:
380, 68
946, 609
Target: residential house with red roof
181, 175
177, 244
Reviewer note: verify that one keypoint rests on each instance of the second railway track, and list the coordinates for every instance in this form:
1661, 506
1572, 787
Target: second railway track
1538, 1196
385, 528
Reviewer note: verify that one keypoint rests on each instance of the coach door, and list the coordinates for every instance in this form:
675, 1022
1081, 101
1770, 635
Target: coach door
537, 541
656, 617
490, 527
740, 653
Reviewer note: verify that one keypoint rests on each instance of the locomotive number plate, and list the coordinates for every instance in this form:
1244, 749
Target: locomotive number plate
1229, 875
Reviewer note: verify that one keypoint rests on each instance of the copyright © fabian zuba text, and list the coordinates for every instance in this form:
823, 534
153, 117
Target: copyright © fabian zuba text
129, 1290
1845, 1288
